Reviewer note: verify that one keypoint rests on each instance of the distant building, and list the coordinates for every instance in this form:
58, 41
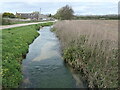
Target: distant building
32, 16
43, 17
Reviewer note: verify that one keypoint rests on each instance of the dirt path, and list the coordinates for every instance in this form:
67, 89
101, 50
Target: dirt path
18, 25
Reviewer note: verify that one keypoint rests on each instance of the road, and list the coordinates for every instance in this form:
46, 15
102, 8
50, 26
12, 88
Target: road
18, 25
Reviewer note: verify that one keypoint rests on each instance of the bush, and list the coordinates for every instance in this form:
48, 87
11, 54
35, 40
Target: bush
8, 15
6, 22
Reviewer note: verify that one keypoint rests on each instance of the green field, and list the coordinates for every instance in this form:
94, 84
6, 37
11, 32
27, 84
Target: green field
97, 17
15, 44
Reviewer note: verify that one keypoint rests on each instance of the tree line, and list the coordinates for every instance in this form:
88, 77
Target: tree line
67, 13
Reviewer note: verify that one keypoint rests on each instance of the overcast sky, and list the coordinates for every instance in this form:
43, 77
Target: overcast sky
80, 7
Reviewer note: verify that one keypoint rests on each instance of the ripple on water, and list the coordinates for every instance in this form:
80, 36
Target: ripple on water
44, 67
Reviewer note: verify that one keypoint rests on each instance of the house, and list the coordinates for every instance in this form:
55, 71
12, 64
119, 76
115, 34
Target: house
32, 16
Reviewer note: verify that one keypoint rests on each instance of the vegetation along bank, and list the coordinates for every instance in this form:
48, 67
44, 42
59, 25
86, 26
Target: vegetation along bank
15, 44
90, 46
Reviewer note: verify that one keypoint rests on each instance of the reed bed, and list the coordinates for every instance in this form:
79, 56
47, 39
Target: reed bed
91, 47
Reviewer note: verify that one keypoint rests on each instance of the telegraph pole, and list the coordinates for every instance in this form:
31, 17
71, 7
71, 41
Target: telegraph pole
40, 10
39, 13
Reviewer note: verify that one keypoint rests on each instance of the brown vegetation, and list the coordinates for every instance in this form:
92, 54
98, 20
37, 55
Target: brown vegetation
91, 46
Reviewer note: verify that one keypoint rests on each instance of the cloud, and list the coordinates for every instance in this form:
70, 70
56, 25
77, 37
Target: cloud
81, 8
31, 1
50, 7
96, 8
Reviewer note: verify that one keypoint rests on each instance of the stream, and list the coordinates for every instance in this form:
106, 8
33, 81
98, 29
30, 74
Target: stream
44, 67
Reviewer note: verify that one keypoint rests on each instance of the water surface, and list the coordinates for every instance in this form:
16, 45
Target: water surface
44, 66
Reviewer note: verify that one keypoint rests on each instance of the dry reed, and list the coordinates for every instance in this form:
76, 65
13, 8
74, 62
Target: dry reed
91, 45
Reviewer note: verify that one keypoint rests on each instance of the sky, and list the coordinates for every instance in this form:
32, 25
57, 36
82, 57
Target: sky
80, 7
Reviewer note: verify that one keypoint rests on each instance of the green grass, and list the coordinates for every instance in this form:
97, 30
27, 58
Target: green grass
21, 22
15, 44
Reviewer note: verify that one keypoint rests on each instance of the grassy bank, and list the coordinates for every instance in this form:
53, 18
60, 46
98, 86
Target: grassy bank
15, 44
11, 22
90, 46
6, 21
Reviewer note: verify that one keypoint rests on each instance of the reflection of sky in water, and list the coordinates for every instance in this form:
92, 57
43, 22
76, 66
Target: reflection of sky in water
80, 8
46, 52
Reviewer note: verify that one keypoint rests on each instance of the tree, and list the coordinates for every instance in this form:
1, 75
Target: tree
49, 15
65, 13
8, 15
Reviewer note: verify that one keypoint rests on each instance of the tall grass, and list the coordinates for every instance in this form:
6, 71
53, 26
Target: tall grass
15, 44
91, 46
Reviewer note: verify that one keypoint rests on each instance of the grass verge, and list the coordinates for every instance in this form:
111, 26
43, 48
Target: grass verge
15, 44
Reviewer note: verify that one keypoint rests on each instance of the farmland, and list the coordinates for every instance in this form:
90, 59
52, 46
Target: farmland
91, 47
15, 44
